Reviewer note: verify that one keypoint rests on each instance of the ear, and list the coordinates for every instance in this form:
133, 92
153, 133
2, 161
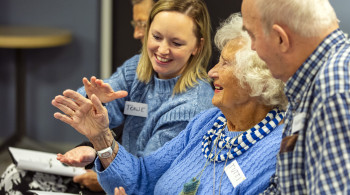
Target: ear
199, 46
281, 37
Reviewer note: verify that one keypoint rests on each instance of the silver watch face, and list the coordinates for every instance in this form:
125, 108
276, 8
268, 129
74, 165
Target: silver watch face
106, 154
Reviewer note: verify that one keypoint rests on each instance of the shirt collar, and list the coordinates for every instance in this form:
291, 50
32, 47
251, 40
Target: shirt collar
298, 84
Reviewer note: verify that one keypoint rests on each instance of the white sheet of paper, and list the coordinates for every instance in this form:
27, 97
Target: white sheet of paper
49, 193
32, 160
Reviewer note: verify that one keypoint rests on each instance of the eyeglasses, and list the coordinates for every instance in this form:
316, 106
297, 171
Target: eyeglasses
138, 23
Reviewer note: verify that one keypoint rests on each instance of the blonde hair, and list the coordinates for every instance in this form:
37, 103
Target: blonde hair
250, 69
197, 64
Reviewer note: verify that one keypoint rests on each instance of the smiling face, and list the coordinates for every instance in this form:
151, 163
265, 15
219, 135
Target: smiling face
171, 42
228, 91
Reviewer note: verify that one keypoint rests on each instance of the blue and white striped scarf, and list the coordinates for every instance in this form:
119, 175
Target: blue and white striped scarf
241, 143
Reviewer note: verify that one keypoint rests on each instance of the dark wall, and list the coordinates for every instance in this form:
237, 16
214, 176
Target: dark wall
124, 46
219, 11
49, 70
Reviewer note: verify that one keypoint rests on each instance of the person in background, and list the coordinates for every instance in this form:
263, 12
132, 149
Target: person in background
303, 46
141, 9
19, 181
242, 135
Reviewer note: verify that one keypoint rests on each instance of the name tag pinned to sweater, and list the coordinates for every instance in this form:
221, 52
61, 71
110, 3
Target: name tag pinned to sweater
136, 109
235, 173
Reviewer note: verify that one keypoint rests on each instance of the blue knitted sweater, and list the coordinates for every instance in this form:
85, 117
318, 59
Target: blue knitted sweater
166, 170
167, 114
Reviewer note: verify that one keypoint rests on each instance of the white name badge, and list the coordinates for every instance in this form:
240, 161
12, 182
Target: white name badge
235, 173
298, 122
136, 109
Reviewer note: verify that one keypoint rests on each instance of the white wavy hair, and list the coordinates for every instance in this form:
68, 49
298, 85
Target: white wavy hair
308, 18
249, 68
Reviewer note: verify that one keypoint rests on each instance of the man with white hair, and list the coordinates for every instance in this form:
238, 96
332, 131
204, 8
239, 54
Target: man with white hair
303, 46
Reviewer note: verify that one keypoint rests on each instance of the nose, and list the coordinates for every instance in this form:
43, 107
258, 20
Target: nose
213, 72
163, 47
139, 33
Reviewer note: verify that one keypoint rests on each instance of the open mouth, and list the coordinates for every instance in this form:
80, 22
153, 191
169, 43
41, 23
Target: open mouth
162, 60
218, 88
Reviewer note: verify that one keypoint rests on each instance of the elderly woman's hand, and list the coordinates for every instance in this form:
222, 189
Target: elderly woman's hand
102, 90
88, 117
78, 157
119, 191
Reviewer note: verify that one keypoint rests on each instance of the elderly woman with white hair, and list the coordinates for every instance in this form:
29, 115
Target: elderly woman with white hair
230, 149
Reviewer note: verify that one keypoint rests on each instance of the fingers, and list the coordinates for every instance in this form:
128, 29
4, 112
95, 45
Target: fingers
63, 118
75, 97
63, 159
66, 105
86, 82
78, 178
119, 191
93, 81
97, 104
120, 94
69, 103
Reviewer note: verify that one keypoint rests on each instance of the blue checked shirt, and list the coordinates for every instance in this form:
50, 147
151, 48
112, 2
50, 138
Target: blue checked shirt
318, 114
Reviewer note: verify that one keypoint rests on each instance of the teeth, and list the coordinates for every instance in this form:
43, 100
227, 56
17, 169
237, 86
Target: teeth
219, 88
162, 59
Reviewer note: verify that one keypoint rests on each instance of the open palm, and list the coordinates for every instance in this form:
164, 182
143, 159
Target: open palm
88, 117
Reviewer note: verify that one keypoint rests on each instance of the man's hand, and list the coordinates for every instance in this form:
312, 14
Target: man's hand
119, 191
89, 180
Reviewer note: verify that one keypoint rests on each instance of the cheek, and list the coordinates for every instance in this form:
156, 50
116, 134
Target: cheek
181, 55
151, 45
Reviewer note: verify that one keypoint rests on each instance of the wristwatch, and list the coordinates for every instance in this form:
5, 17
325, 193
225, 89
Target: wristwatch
107, 152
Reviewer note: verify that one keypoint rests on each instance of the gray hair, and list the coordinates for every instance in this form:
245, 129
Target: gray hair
308, 18
249, 68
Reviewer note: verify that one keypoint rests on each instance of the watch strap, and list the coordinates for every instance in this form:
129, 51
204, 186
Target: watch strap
107, 152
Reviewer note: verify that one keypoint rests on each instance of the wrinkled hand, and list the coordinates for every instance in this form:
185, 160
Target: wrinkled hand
119, 191
89, 180
88, 117
102, 90
78, 157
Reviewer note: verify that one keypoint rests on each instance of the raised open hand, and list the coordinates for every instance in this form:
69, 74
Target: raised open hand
102, 90
88, 117
78, 157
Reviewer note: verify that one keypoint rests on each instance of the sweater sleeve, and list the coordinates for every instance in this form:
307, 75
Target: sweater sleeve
176, 119
140, 175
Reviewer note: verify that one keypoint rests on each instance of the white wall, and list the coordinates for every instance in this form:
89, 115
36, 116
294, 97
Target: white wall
341, 7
